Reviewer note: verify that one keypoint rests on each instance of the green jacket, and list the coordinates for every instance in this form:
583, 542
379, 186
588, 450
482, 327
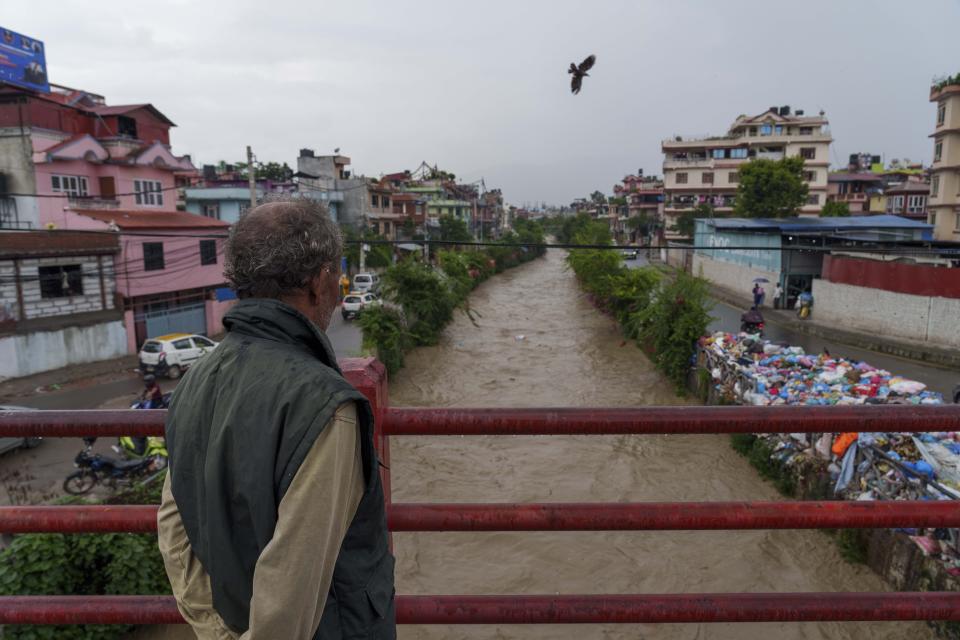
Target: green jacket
240, 424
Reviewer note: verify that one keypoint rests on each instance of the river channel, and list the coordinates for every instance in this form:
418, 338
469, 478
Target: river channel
536, 341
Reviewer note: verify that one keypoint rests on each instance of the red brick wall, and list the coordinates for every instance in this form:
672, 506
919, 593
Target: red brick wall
919, 280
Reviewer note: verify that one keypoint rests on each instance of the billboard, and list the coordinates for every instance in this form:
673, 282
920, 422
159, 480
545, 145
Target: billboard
22, 61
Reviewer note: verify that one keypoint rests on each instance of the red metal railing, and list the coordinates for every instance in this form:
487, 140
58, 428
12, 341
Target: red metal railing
369, 378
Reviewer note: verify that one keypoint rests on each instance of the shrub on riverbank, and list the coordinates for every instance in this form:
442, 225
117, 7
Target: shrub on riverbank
420, 299
84, 564
666, 318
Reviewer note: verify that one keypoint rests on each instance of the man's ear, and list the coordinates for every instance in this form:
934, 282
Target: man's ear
315, 289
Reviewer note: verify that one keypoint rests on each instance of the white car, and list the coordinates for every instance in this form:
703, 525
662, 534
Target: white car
172, 354
366, 282
357, 301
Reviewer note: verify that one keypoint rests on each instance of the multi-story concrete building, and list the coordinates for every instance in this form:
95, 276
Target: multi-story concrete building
705, 169
71, 161
944, 204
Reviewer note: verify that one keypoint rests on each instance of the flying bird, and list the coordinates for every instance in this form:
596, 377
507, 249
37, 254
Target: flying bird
579, 72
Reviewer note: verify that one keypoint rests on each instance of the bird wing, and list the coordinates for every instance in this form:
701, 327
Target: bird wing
575, 83
587, 63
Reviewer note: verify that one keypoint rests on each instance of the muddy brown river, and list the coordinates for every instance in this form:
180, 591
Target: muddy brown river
570, 355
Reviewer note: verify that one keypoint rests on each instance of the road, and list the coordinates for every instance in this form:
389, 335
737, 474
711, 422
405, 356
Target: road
34, 476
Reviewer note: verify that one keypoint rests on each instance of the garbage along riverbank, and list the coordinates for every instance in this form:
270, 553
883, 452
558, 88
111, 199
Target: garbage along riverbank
742, 369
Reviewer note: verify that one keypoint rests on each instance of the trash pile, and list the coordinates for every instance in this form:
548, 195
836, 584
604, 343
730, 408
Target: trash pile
752, 371
862, 466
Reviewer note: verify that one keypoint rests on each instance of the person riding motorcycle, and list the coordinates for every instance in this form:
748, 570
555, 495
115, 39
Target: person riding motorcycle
751, 321
152, 396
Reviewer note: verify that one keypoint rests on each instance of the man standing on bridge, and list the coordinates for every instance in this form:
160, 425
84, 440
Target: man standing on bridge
272, 523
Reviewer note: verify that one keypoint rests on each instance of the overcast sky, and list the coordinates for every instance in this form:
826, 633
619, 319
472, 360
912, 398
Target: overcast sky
481, 88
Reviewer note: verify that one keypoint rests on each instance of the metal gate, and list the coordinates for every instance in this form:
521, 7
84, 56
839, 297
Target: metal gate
188, 318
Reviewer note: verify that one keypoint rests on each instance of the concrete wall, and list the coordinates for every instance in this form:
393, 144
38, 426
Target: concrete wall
898, 315
735, 277
24, 355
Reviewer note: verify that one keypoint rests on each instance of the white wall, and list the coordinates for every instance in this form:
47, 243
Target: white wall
24, 355
735, 277
886, 313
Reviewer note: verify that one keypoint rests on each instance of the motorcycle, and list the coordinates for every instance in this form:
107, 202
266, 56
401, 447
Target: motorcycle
94, 469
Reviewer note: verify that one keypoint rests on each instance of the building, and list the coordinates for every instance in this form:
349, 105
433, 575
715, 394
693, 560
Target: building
77, 163
944, 205
705, 170
908, 199
855, 189
328, 179
58, 302
734, 252
644, 200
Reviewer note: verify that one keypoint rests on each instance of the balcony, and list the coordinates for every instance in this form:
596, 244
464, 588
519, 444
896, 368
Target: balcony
688, 163
92, 202
770, 155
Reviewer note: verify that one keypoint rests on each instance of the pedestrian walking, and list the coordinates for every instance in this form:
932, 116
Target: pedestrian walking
272, 521
777, 296
757, 294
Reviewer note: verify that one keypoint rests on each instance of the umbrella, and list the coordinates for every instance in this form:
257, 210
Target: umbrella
761, 280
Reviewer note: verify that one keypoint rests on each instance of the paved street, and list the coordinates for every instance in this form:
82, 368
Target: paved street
34, 476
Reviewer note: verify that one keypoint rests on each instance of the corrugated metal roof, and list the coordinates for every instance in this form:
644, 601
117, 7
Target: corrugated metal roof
154, 219
56, 243
817, 224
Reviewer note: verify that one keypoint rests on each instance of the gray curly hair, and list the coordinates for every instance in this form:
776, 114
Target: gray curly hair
277, 247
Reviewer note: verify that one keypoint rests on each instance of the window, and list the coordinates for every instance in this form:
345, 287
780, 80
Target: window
61, 281
813, 199
152, 256
182, 345
934, 186
148, 192
937, 151
916, 204
956, 224
375, 200
933, 218
212, 210
126, 127
941, 113
753, 131
203, 342
718, 154
808, 153
71, 185
733, 177
706, 177
681, 178
895, 204
766, 130
806, 131
738, 153
244, 207
208, 252
778, 130
386, 202
810, 176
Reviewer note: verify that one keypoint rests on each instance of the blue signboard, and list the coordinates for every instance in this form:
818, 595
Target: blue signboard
22, 61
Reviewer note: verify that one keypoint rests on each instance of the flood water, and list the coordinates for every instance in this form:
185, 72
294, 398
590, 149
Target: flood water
570, 355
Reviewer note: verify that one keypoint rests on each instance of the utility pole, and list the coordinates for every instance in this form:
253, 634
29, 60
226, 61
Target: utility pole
251, 176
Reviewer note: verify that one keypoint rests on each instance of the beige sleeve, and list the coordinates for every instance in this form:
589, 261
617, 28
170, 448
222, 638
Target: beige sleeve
293, 574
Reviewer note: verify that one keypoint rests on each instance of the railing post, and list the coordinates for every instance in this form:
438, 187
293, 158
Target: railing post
369, 376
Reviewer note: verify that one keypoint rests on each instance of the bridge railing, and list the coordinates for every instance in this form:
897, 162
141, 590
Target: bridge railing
369, 377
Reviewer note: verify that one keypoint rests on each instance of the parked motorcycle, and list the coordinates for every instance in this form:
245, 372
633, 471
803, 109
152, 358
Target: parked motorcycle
138, 447
94, 469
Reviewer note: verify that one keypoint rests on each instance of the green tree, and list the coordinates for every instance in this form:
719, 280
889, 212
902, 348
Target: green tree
454, 230
771, 188
597, 197
685, 223
835, 210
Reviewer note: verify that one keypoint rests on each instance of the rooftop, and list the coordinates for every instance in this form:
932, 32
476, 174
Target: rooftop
845, 176
144, 220
37, 243
818, 225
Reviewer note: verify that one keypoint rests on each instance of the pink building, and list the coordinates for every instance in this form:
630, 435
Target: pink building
80, 164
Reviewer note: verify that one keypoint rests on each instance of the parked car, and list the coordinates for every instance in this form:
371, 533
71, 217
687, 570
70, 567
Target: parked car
366, 282
630, 254
172, 354
9, 444
356, 302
